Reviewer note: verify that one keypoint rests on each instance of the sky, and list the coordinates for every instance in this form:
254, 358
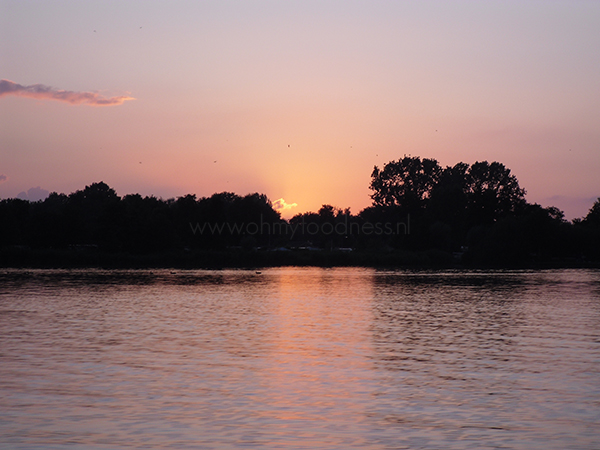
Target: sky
298, 100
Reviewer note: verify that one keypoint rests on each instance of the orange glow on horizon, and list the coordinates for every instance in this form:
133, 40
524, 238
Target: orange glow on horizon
297, 101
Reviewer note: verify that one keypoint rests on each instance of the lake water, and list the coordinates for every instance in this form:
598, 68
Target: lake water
299, 358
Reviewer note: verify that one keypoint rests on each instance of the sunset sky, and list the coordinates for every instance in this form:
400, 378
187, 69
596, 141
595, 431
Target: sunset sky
297, 99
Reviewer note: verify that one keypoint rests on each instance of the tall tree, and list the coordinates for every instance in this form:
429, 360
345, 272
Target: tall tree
406, 183
449, 196
492, 192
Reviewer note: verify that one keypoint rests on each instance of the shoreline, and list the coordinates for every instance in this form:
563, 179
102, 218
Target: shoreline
206, 259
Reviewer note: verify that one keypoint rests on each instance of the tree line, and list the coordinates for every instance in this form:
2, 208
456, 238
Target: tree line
472, 214
479, 209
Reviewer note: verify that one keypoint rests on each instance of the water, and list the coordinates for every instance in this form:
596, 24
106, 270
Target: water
299, 358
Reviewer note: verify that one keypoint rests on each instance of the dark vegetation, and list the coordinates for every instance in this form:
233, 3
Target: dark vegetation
422, 215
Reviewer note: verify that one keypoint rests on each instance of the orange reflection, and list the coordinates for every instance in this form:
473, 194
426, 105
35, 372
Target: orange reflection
314, 359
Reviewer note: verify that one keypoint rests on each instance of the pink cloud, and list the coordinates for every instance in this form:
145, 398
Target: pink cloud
43, 92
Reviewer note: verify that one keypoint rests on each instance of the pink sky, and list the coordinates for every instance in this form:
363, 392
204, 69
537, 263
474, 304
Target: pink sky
297, 100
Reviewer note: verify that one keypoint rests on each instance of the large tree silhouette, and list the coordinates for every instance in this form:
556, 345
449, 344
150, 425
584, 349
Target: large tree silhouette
406, 183
492, 192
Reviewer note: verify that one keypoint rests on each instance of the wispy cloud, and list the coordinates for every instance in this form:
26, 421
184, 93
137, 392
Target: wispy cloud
2, 177
43, 92
281, 205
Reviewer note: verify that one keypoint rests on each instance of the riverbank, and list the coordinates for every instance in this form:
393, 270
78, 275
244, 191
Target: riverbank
238, 258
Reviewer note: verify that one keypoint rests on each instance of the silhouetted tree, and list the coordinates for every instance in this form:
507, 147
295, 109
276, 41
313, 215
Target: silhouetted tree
492, 192
588, 230
447, 208
48, 226
406, 183
14, 222
449, 196
92, 215
592, 218
536, 234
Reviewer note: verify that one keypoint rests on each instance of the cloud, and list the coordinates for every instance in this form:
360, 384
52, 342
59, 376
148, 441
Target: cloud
281, 205
43, 92
33, 194
2, 178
